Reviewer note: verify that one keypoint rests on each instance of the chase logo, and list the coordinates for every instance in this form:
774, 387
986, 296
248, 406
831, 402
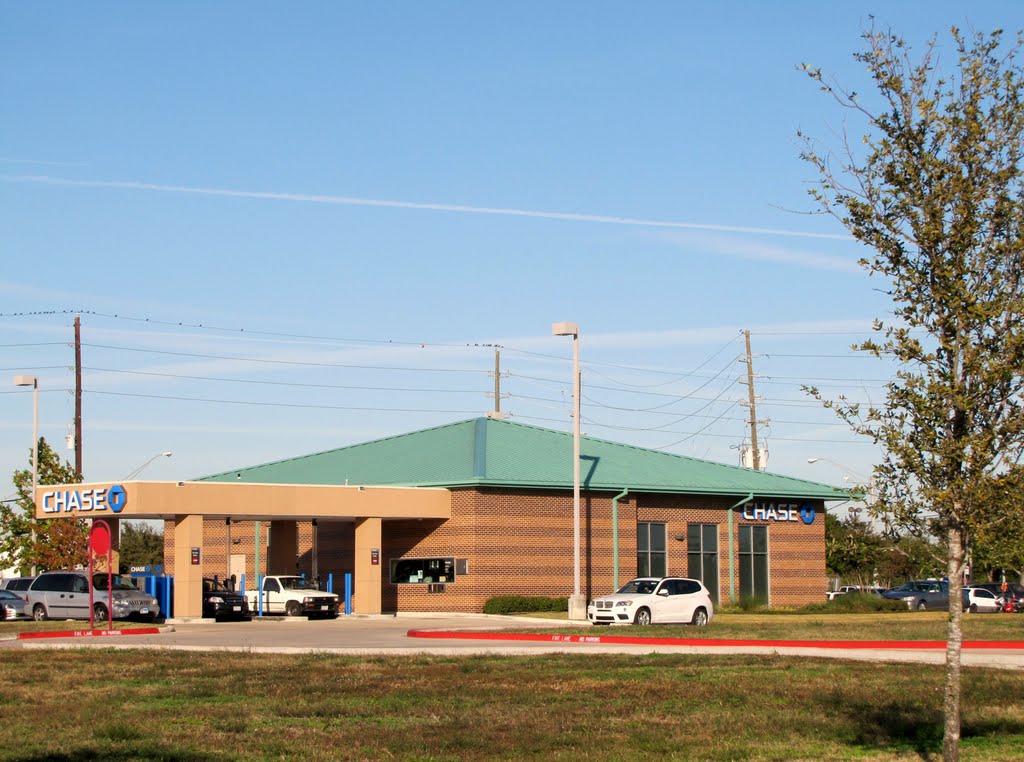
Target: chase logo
117, 497
807, 513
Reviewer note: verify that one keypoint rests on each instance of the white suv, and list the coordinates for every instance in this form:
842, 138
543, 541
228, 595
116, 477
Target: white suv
653, 600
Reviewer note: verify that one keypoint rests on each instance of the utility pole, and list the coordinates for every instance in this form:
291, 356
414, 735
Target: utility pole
752, 401
78, 396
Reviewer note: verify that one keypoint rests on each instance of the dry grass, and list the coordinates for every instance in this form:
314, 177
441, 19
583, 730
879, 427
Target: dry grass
120, 705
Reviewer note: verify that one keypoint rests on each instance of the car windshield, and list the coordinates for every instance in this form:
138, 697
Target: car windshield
639, 586
295, 583
99, 582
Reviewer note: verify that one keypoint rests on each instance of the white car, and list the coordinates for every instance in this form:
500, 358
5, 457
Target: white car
977, 599
654, 600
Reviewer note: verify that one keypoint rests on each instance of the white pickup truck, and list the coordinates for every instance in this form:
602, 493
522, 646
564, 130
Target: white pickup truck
833, 594
292, 595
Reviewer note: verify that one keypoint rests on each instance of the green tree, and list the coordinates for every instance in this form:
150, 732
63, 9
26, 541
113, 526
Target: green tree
910, 557
853, 550
141, 545
933, 188
59, 543
996, 548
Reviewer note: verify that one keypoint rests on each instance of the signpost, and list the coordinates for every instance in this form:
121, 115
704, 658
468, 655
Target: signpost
99, 545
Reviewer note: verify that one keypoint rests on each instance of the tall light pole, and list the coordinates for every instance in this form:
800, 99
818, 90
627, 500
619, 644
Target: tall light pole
33, 381
139, 470
577, 605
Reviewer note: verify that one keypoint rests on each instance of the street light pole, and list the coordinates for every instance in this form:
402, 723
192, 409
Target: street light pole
33, 381
577, 605
140, 469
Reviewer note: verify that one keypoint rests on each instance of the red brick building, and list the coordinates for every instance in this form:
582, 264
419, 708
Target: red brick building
743, 533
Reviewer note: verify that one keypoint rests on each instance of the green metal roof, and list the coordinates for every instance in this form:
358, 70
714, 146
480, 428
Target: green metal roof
486, 452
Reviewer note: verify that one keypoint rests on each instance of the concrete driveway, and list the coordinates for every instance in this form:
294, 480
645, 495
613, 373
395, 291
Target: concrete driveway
388, 635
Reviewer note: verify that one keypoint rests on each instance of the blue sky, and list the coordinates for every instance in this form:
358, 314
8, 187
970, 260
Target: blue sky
368, 197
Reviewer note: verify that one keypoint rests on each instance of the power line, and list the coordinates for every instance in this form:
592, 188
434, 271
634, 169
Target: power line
284, 383
290, 363
281, 404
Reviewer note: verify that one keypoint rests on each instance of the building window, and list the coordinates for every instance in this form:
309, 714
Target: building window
702, 555
651, 551
423, 571
754, 563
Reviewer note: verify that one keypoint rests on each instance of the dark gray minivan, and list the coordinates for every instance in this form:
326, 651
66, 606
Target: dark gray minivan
65, 595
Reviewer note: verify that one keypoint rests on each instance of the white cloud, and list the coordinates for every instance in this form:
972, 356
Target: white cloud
396, 204
744, 248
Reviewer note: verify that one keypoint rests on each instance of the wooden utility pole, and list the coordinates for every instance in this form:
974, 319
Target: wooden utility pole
78, 396
753, 410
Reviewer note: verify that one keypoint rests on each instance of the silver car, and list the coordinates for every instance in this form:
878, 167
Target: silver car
65, 595
921, 594
13, 605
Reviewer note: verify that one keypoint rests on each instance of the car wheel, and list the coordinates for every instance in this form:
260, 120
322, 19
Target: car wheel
643, 617
974, 608
39, 613
922, 606
99, 611
700, 618
292, 608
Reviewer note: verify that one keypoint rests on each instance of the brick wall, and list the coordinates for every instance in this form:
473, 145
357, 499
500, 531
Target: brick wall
519, 542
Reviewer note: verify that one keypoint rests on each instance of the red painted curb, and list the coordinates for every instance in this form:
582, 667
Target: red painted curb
88, 633
626, 641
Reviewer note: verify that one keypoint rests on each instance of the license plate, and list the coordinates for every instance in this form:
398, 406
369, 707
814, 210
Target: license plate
143, 611
236, 608
324, 608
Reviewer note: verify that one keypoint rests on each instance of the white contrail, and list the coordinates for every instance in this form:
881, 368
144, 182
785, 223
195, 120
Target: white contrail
353, 201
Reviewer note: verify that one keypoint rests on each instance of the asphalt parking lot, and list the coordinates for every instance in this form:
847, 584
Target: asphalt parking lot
389, 635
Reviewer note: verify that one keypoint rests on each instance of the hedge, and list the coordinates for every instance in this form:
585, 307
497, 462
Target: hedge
521, 604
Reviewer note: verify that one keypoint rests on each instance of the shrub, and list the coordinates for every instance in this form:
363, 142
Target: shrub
521, 604
855, 603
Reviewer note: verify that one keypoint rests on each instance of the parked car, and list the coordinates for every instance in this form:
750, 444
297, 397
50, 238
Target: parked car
977, 599
1013, 595
17, 584
219, 602
65, 595
921, 594
12, 605
833, 594
652, 600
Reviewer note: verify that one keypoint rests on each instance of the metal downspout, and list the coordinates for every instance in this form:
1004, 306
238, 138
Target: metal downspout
615, 534
732, 551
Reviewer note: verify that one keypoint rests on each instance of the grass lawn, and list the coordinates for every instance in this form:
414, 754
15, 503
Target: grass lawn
95, 704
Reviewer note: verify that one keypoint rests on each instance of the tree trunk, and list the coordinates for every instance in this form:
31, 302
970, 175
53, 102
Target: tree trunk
954, 640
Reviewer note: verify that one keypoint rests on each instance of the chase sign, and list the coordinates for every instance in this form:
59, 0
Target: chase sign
78, 502
779, 512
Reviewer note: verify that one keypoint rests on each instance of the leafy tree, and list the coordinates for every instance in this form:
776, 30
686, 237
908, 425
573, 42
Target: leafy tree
853, 550
934, 189
910, 557
997, 548
59, 543
141, 545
